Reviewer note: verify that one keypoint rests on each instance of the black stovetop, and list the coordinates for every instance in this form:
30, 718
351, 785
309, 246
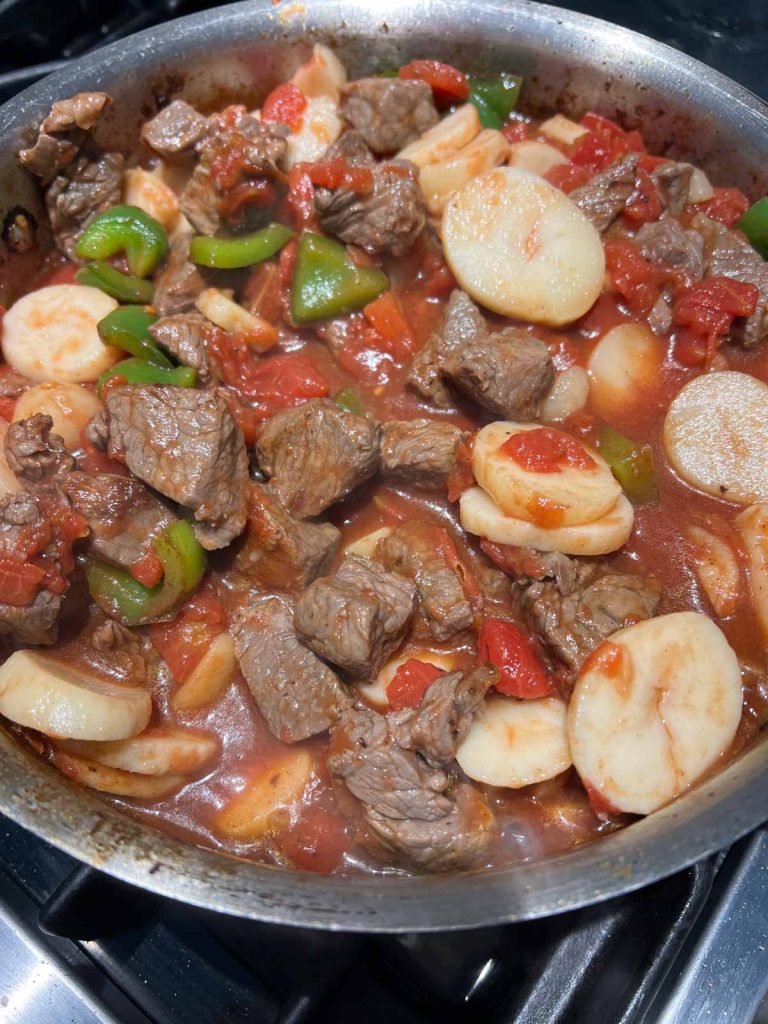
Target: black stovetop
77, 947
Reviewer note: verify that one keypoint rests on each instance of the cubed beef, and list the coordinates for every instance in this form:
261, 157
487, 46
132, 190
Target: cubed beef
22, 518
298, 694
352, 148
388, 112
420, 452
34, 452
462, 321
604, 197
280, 551
86, 187
175, 129
178, 282
185, 444
183, 335
424, 553
673, 181
62, 134
112, 649
666, 241
317, 453
357, 617
12, 383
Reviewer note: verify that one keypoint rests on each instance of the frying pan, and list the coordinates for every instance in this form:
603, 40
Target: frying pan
571, 63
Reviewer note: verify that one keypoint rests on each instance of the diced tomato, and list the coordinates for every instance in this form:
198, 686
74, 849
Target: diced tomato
287, 262
205, 606
644, 204
7, 406
341, 174
567, 177
285, 105
516, 131
147, 570
689, 349
317, 841
605, 143
184, 642
632, 275
521, 674
650, 163
435, 273
64, 274
385, 314
409, 684
19, 582
725, 206
364, 358
709, 307
256, 192
263, 291
544, 450
94, 461
300, 200
228, 119
462, 478
448, 84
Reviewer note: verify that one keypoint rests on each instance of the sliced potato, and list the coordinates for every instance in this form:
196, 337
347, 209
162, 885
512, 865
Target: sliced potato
700, 190
562, 129
446, 138
522, 248
567, 395
322, 75
158, 751
716, 436
151, 194
375, 692
514, 743
753, 526
569, 497
220, 308
264, 804
50, 334
654, 707
59, 700
9, 482
319, 129
440, 180
70, 406
481, 516
367, 544
215, 671
536, 157
623, 367
717, 568
114, 780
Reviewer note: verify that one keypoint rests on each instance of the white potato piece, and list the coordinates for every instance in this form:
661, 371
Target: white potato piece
218, 306
716, 436
654, 707
367, 544
114, 780
536, 157
562, 129
522, 248
570, 497
50, 334
515, 743
623, 366
445, 139
319, 129
215, 671
717, 567
70, 406
150, 193
567, 395
753, 526
322, 75
59, 700
440, 180
481, 516
264, 804
9, 482
159, 751
375, 692
700, 190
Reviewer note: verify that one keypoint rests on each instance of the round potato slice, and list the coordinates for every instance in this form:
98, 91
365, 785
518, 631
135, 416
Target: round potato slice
570, 496
654, 707
445, 139
367, 544
481, 516
114, 780
263, 805
50, 334
70, 406
58, 700
514, 743
716, 436
158, 751
623, 367
522, 248
536, 157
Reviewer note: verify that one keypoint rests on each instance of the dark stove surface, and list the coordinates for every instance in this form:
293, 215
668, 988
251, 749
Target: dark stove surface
78, 948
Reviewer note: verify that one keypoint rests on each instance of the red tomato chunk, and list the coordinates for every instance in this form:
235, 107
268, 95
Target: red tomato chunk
545, 450
509, 649
410, 683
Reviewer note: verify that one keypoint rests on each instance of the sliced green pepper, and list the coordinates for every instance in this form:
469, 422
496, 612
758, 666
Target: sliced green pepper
631, 463
350, 399
125, 229
130, 602
120, 286
495, 98
754, 224
231, 253
127, 327
327, 283
137, 371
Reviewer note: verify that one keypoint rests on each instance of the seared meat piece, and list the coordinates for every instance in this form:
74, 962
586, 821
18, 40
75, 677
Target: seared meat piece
666, 241
22, 518
317, 453
12, 383
352, 148
175, 129
462, 321
183, 335
603, 198
199, 201
420, 552
88, 186
673, 181
62, 134
388, 112
297, 694
420, 452
186, 445
34, 453
508, 372
356, 618
280, 551
123, 515
110, 647
179, 282
535, 565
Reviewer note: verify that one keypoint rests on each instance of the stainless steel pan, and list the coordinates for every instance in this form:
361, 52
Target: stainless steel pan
570, 62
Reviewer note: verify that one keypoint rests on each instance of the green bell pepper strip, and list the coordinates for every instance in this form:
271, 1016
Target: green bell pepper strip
350, 399
120, 286
631, 464
133, 604
125, 229
244, 251
754, 224
326, 283
127, 327
495, 98
137, 371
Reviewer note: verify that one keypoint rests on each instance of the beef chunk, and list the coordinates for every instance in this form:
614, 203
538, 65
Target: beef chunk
420, 452
298, 695
111, 648
62, 134
388, 112
179, 282
21, 517
508, 372
462, 321
123, 515
280, 551
420, 552
176, 129
603, 198
183, 335
317, 453
88, 186
186, 445
666, 241
356, 618
387, 219
199, 201
673, 181
12, 383
352, 148
34, 453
